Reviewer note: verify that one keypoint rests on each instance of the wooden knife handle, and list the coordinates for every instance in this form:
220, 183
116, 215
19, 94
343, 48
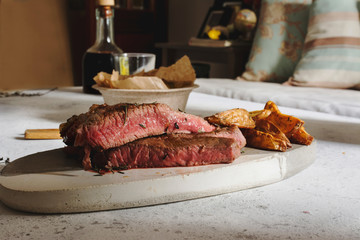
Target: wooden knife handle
42, 134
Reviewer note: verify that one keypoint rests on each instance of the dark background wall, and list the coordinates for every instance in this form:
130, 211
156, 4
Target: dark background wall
42, 42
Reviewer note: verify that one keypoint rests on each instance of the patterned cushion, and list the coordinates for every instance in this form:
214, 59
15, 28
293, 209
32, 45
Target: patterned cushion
331, 55
278, 40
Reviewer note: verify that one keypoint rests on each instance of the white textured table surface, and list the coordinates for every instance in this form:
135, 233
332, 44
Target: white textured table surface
321, 202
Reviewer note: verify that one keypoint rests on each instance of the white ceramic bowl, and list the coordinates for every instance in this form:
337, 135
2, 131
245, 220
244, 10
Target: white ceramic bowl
176, 98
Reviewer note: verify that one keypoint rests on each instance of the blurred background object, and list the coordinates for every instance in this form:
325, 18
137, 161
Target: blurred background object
34, 44
245, 22
42, 42
100, 57
137, 26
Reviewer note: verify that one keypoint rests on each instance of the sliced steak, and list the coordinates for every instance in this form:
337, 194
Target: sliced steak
105, 126
172, 150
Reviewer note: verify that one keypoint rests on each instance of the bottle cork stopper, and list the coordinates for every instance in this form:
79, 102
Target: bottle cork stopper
105, 2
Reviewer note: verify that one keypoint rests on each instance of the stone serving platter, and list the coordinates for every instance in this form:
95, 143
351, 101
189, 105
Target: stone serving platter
50, 182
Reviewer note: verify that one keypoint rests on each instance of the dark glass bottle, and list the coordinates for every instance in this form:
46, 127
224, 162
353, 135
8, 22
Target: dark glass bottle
99, 57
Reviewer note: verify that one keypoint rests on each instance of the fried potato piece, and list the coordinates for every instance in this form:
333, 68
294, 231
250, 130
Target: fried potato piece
266, 136
234, 117
286, 123
180, 74
260, 114
268, 127
262, 140
291, 126
302, 137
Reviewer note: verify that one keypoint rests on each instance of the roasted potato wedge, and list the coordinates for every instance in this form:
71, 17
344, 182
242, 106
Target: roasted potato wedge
262, 140
286, 123
260, 114
291, 126
301, 137
234, 117
267, 136
268, 127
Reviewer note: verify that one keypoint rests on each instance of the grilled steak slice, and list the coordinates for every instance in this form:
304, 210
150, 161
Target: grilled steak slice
104, 126
172, 150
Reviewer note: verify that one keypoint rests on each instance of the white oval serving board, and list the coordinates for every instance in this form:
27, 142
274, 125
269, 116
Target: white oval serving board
49, 182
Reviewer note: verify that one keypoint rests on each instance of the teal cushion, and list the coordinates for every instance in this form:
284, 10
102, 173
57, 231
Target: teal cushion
278, 40
331, 54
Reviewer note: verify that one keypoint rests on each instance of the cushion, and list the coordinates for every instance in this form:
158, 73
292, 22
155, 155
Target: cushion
342, 102
278, 40
331, 54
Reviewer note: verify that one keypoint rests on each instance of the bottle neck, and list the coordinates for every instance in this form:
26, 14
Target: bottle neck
104, 25
105, 31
